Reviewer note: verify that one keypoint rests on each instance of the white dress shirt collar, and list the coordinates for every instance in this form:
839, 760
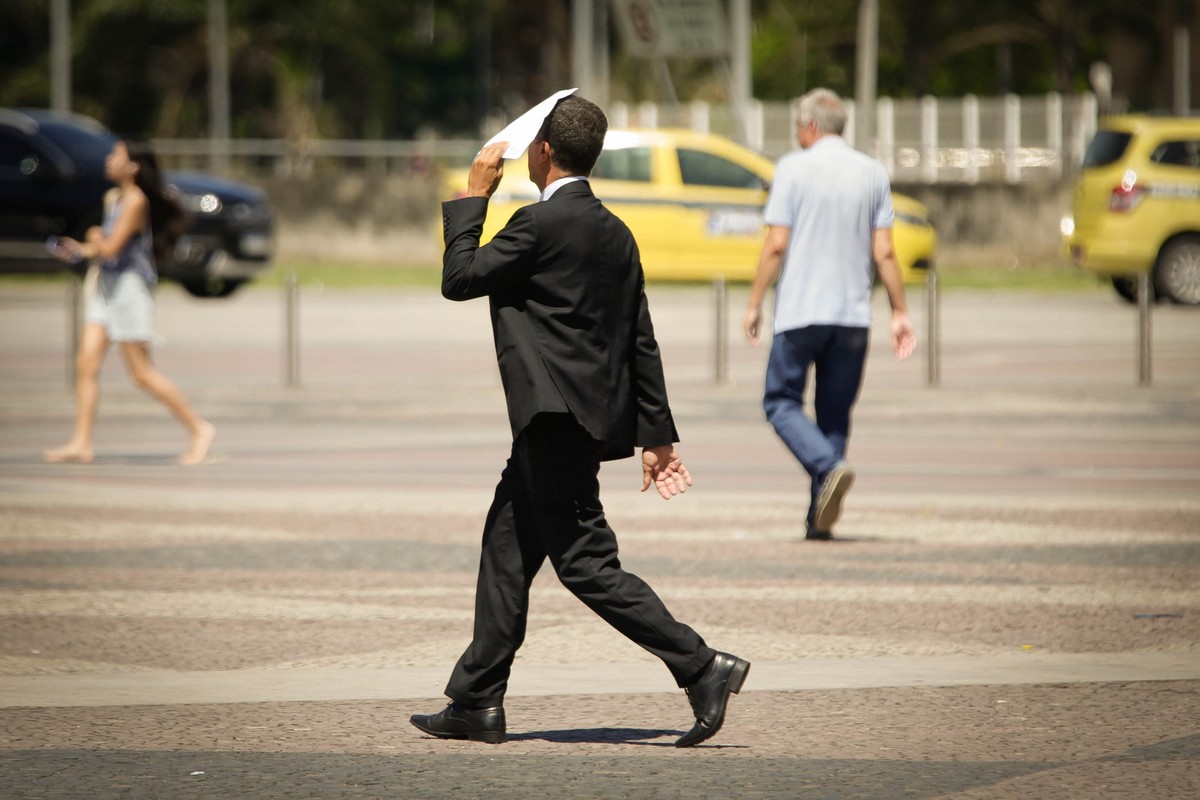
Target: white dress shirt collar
549, 191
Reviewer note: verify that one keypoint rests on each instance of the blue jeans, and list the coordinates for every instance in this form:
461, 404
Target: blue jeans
838, 355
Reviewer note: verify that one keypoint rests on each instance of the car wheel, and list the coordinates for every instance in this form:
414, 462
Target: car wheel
1126, 287
1178, 274
212, 287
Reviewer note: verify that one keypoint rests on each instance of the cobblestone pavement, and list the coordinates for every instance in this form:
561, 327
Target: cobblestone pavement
1010, 608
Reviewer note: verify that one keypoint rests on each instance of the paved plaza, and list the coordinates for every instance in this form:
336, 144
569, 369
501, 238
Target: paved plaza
1011, 607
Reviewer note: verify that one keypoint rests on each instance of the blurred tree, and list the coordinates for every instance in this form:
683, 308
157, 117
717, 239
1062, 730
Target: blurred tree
799, 46
140, 66
25, 53
945, 47
302, 68
395, 68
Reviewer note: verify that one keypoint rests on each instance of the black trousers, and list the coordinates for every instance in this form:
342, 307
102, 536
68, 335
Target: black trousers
547, 505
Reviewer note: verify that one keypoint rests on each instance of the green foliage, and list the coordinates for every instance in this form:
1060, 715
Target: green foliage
947, 47
399, 68
302, 68
24, 53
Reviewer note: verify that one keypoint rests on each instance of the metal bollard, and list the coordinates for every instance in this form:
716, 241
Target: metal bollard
933, 348
291, 298
720, 332
1145, 293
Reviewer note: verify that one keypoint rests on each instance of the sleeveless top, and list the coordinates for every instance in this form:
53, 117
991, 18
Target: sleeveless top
138, 255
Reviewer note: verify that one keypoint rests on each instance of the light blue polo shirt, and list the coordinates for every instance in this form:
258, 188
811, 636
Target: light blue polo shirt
832, 197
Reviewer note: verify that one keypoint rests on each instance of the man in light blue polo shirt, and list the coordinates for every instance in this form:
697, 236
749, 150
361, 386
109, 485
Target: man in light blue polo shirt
829, 228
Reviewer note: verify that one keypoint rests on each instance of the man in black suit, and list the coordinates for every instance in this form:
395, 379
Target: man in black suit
584, 384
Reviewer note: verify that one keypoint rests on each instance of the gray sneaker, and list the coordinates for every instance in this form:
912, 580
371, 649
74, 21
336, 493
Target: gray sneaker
813, 535
833, 491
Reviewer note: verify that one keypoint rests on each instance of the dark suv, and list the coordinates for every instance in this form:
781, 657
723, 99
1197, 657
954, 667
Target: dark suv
52, 184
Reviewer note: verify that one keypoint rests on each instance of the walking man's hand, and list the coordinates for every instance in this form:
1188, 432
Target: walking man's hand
663, 467
751, 324
904, 338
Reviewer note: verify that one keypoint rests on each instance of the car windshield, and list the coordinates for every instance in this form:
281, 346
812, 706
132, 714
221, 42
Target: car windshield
624, 164
1106, 147
87, 147
698, 168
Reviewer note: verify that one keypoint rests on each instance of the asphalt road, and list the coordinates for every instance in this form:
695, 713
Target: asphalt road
1010, 608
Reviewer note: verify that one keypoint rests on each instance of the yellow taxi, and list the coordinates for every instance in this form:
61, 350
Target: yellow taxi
1136, 206
694, 203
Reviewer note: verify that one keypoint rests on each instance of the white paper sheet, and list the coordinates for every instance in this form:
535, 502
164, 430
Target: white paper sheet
521, 131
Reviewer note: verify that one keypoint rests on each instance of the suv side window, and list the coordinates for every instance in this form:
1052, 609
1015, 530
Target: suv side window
698, 168
625, 164
1105, 148
1184, 153
18, 161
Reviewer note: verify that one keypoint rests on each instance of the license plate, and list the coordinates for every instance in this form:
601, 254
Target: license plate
256, 244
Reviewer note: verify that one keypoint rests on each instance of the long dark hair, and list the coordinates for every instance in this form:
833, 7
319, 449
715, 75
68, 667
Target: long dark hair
168, 220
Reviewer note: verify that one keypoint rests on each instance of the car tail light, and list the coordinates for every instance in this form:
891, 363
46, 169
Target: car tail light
1128, 195
1125, 198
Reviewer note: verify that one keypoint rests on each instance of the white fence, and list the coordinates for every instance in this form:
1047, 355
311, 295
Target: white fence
301, 157
967, 140
1007, 139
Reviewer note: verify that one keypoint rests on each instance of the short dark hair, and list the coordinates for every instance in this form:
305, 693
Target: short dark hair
575, 130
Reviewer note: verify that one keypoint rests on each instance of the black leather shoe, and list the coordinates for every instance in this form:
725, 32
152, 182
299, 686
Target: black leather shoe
833, 490
456, 721
710, 695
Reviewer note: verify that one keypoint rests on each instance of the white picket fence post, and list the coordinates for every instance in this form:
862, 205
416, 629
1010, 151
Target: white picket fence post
929, 139
618, 115
1054, 131
754, 125
848, 133
1012, 138
647, 115
885, 140
970, 112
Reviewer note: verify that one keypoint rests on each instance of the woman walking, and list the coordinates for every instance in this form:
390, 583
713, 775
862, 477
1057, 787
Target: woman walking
141, 223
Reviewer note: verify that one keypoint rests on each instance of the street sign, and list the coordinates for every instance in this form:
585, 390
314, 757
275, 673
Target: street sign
672, 28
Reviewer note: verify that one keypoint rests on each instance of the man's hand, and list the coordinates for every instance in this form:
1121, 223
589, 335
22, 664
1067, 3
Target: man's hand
663, 467
486, 170
751, 323
904, 338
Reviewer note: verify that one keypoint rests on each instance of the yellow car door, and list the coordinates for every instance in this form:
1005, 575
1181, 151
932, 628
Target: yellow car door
721, 205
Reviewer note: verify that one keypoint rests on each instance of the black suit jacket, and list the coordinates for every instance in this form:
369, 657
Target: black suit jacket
569, 315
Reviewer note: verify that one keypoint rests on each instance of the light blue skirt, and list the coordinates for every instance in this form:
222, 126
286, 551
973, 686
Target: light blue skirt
123, 304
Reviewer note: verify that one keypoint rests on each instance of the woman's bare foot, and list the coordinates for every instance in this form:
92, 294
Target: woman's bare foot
202, 440
69, 454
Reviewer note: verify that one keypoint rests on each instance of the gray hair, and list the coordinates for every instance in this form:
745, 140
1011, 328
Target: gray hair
825, 108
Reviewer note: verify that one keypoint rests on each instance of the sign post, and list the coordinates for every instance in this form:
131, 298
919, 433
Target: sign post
659, 30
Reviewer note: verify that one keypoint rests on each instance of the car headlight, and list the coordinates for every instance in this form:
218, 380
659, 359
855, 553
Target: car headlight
1067, 225
207, 204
